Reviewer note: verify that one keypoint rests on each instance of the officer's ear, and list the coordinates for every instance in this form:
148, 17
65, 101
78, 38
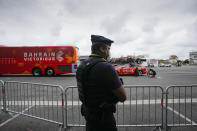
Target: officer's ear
102, 49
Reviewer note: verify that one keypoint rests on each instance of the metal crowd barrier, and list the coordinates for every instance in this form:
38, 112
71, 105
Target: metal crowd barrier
181, 106
1, 95
40, 101
143, 108
73, 108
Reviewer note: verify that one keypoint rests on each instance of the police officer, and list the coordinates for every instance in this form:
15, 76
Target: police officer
99, 87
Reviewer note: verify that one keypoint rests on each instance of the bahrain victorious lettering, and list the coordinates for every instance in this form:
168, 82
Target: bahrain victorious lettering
59, 56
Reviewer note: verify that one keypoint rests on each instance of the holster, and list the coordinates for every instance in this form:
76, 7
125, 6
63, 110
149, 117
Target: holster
107, 112
83, 110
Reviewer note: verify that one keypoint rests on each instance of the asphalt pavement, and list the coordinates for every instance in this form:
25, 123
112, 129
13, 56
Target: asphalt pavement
166, 76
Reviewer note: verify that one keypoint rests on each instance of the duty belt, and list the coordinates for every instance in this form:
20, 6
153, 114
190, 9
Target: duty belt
102, 107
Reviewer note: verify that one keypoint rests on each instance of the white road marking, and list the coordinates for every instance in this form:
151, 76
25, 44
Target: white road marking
76, 103
2, 124
181, 115
36, 103
30, 104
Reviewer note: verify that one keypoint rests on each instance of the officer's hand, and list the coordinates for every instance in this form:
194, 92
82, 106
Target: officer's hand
122, 81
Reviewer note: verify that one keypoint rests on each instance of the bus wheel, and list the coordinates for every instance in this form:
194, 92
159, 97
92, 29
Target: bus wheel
36, 72
49, 72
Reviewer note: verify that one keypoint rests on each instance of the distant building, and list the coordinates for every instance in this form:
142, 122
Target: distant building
153, 62
193, 57
173, 59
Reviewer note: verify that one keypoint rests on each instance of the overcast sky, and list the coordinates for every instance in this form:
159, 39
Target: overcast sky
156, 28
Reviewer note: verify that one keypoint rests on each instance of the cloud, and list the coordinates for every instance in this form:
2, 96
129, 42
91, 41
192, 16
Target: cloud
115, 23
150, 25
157, 28
56, 30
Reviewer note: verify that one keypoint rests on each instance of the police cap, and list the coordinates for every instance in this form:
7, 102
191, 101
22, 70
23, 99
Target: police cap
100, 39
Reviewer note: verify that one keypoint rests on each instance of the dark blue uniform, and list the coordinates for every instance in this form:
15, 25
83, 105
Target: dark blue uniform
102, 79
99, 101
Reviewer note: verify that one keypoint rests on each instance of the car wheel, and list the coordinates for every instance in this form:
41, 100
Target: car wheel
50, 72
140, 73
36, 72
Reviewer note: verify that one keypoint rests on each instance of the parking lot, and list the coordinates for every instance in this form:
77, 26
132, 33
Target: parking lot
166, 76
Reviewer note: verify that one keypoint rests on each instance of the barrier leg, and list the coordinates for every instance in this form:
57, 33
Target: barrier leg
4, 97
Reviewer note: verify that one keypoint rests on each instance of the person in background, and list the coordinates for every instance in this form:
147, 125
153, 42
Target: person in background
151, 73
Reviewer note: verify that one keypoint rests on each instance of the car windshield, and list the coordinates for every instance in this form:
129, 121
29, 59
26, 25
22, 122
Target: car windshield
120, 66
124, 66
127, 65
137, 65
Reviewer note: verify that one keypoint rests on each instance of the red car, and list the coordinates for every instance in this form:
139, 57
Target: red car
130, 69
